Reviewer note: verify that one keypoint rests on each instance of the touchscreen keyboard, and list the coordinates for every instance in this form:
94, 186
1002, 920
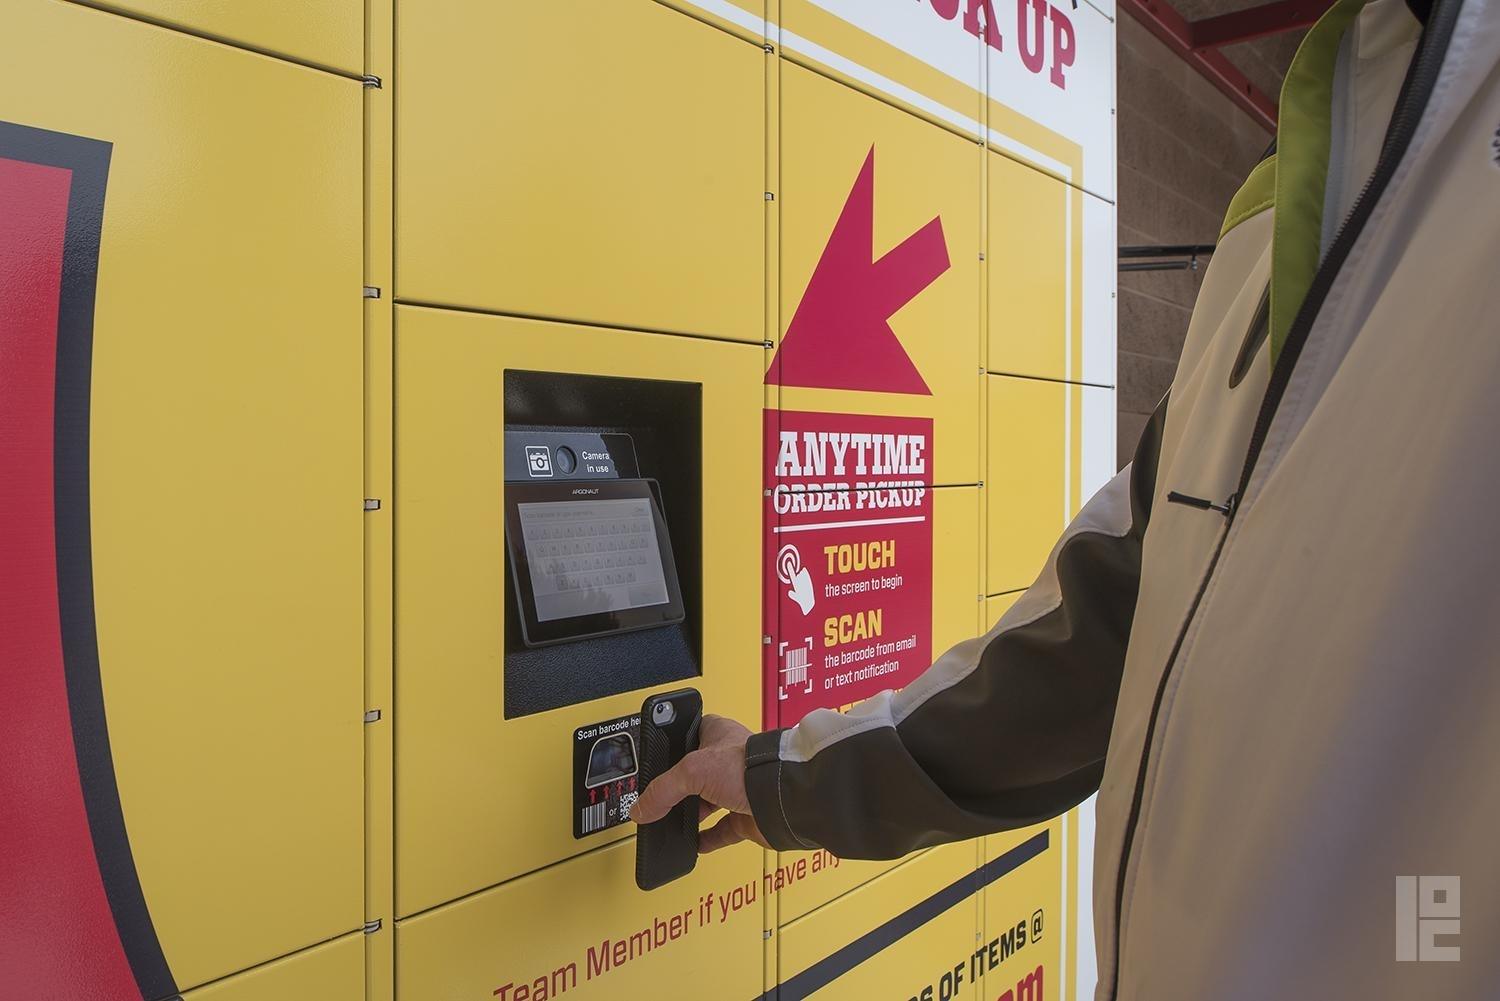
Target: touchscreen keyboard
591, 556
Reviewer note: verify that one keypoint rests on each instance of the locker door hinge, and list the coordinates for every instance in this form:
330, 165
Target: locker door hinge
371, 927
372, 503
373, 716
370, 80
371, 292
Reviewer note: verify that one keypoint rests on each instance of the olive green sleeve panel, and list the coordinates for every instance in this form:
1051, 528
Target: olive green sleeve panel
1257, 194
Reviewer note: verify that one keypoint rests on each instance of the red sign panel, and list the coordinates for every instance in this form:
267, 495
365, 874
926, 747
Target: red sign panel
848, 547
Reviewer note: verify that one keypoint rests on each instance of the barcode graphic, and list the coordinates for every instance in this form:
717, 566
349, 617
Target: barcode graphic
796, 665
593, 818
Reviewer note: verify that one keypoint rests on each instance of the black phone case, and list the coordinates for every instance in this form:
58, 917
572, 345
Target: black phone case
668, 849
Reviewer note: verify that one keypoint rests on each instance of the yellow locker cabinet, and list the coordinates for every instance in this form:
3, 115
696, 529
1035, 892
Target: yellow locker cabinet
182, 227
1035, 477
626, 188
1029, 271
484, 790
1023, 917
877, 199
332, 971
619, 248
908, 933
583, 931
324, 33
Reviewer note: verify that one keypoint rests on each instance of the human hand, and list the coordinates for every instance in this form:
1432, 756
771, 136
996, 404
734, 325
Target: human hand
715, 773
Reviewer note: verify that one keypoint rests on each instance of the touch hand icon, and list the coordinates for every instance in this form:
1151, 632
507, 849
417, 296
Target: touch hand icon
790, 571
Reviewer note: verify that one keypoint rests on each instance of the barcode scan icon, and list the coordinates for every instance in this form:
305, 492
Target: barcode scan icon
794, 670
593, 818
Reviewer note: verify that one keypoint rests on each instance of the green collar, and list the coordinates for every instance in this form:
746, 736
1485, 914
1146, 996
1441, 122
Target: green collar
1302, 143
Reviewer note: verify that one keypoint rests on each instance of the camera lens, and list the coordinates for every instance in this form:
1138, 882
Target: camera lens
663, 713
566, 460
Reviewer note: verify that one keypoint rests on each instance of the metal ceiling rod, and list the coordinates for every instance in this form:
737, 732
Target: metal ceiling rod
1174, 257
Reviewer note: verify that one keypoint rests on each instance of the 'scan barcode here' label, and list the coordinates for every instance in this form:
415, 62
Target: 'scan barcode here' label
593, 818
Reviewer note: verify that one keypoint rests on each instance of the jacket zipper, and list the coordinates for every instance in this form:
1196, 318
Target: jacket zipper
1203, 503
1416, 91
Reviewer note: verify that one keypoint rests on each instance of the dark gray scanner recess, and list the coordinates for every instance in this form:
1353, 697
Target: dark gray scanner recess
604, 454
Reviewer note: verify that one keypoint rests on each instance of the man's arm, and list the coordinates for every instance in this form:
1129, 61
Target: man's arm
1003, 731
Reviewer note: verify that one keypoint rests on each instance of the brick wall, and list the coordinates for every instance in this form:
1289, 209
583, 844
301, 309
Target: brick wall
1184, 148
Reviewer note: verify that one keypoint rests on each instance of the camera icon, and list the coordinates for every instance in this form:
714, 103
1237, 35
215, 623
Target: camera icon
538, 460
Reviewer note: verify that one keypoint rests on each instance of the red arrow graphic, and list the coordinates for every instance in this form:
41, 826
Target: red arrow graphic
841, 337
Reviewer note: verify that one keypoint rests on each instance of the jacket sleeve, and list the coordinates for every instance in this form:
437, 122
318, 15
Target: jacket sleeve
1003, 731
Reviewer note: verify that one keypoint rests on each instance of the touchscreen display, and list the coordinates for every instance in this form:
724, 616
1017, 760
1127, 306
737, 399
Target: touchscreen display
590, 556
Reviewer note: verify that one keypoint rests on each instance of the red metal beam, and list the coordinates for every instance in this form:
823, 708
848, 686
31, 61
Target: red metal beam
1163, 21
1256, 22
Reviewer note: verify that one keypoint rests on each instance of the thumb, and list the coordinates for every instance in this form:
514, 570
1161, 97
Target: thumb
671, 787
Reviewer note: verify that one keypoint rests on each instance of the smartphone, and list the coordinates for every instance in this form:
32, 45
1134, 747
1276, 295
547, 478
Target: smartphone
668, 849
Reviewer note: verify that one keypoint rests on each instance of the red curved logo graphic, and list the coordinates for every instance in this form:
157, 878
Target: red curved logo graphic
74, 917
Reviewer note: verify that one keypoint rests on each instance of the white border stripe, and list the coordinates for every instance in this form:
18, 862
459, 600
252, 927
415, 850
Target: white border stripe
791, 40
779, 529
734, 15
1068, 388
1067, 890
850, 68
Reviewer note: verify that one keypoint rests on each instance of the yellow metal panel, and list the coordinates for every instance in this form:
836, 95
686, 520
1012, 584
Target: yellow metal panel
1026, 483
326, 33
920, 958
1023, 920
908, 53
225, 470
1028, 271
745, 18
582, 930
480, 798
1075, 895
332, 971
921, 173
996, 606
1042, 466
380, 964
828, 879
956, 573
604, 164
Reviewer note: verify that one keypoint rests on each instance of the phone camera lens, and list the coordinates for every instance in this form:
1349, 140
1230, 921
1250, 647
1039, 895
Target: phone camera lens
566, 460
662, 713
